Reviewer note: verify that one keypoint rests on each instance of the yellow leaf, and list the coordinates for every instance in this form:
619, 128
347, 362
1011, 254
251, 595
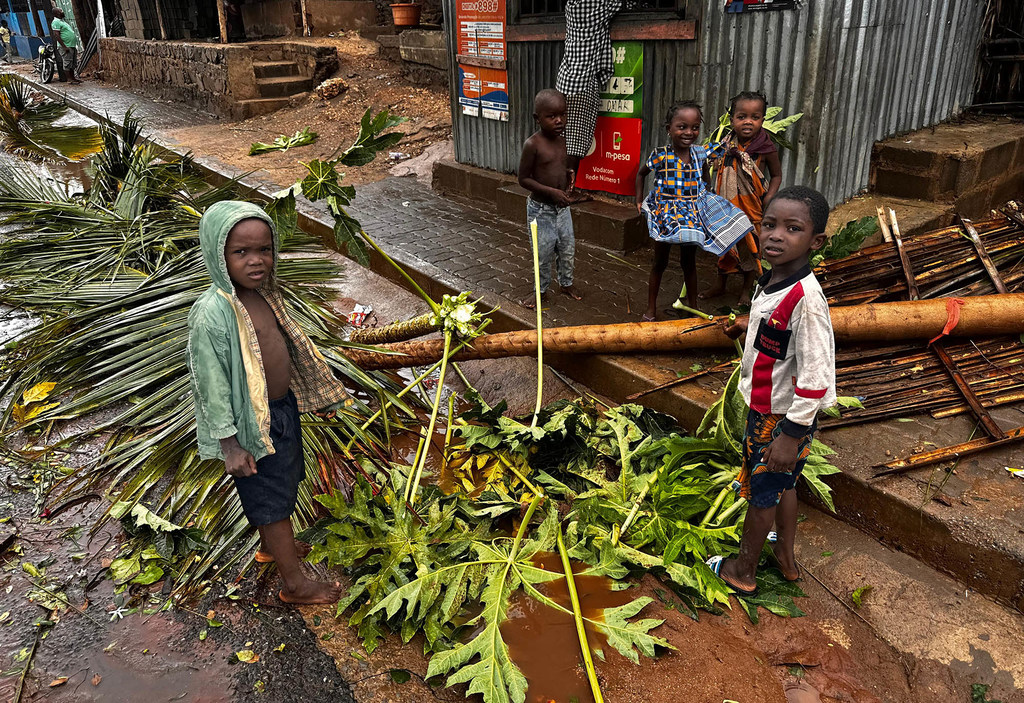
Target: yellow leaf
247, 656
59, 681
38, 392
30, 412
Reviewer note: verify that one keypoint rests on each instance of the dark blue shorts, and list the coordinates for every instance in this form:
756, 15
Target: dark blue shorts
764, 488
269, 495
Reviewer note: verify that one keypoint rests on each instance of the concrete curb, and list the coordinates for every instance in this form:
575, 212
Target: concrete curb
986, 562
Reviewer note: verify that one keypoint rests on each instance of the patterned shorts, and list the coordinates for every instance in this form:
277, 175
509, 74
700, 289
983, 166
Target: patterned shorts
761, 487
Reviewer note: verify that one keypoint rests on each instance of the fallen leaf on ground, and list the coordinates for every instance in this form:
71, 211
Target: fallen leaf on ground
247, 656
96, 678
859, 594
60, 681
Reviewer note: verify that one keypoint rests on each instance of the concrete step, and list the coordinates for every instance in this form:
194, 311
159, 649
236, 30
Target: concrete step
605, 224
974, 166
947, 636
914, 216
275, 69
260, 106
283, 87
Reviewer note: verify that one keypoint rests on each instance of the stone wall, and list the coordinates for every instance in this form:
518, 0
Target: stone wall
193, 73
212, 77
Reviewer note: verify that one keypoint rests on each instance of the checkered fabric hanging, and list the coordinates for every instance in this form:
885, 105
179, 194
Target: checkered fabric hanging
586, 67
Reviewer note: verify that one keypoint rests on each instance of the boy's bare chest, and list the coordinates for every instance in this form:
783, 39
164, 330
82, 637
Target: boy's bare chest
264, 322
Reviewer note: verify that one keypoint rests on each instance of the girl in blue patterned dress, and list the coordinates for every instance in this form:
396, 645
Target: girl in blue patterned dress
680, 209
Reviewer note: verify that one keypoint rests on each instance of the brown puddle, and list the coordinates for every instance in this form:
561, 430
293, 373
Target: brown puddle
403, 451
543, 641
134, 662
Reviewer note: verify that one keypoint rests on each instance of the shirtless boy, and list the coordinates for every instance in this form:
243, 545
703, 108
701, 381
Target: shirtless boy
544, 171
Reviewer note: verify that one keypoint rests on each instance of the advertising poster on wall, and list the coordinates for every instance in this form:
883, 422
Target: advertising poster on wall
614, 157
737, 6
483, 92
481, 28
483, 83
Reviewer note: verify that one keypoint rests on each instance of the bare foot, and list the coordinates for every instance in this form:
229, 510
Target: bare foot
311, 593
265, 557
713, 292
650, 315
744, 299
741, 585
786, 563
531, 303
571, 292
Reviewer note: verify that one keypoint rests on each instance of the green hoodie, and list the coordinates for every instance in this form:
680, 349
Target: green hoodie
228, 381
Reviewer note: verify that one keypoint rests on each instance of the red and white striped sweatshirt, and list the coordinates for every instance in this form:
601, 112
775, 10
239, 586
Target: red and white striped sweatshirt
789, 360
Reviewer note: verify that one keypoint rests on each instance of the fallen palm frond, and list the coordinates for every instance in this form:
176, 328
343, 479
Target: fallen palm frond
113, 275
303, 137
27, 126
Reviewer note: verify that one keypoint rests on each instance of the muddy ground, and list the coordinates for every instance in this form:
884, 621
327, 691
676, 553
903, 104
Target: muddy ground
374, 81
830, 655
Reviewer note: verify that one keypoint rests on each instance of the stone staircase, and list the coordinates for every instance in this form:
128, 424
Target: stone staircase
278, 83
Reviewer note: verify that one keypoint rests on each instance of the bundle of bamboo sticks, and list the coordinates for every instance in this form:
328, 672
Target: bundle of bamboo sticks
944, 261
905, 379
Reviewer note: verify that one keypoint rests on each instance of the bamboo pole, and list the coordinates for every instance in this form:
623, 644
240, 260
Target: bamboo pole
981, 316
222, 19
159, 20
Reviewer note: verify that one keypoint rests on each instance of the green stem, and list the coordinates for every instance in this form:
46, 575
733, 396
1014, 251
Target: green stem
415, 286
577, 616
537, 498
739, 347
636, 507
526, 482
540, 323
419, 379
730, 511
685, 308
421, 459
715, 506
448, 428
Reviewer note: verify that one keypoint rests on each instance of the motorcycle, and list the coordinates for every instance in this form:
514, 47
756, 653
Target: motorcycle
46, 64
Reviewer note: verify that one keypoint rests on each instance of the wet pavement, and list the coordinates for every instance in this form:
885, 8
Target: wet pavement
466, 244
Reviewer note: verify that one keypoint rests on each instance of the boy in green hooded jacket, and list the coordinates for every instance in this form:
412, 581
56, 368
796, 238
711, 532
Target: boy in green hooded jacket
253, 372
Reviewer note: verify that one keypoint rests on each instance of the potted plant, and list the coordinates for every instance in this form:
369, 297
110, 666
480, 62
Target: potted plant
406, 14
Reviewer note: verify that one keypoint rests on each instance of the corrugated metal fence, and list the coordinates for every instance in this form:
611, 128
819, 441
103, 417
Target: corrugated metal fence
859, 70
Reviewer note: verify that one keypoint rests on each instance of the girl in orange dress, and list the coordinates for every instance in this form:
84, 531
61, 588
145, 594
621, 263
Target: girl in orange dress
748, 175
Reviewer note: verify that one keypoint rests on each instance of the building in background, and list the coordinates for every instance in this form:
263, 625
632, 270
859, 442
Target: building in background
858, 70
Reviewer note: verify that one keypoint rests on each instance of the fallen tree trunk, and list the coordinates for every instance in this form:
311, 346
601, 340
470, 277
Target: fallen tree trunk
980, 316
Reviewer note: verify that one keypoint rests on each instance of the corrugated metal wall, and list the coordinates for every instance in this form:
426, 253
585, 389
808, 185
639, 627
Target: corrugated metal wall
859, 70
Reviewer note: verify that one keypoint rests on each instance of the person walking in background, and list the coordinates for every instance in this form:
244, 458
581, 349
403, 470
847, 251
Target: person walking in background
67, 44
5, 39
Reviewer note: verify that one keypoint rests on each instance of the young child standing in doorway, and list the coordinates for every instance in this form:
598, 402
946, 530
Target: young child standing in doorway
787, 374
544, 171
748, 175
680, 209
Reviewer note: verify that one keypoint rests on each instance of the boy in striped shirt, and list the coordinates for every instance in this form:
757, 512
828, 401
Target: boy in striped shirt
787, 375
